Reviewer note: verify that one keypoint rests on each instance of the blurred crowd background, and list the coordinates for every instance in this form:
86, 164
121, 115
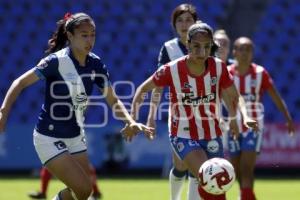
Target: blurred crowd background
130, 34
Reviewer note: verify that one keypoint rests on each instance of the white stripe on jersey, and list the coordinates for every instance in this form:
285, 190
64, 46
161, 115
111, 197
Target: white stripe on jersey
75, 85
247, 90
173, 49
218, 103
211, 122
259, 73
196, 111
183, 121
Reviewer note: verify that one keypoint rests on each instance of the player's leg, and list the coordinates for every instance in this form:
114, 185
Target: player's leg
96, 192
235, 154
45, 177
177, 177
193, 193
250, 146
248, 160
72, 170
194, 160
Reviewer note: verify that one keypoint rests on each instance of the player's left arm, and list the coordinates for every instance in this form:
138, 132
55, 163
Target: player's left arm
280, 104
132, 127
230, 98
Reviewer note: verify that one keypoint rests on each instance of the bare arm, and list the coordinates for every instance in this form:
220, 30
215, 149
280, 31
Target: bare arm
155, 100
280, 104
24, 81
117, 106
230, 97
131, 128
138, 99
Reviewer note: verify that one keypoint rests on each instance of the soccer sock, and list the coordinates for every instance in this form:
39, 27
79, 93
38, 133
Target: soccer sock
57, 197
207, 196
176, 179
193, 188
94, 180
45, 178
247, 194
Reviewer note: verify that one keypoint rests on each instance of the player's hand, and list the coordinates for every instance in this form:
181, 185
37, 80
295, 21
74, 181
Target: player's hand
234, 129
152, 124
251, 123
224, 125
291, 127
132, 129
3, 119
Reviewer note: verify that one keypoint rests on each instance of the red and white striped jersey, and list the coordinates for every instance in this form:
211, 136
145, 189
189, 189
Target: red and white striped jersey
251, 86
194, 100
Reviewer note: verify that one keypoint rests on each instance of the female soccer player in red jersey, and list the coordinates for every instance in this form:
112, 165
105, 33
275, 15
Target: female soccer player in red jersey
183, 16
252, 81
196, 82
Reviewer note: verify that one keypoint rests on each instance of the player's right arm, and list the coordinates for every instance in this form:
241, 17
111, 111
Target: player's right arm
157, 92
24, 81
138, 99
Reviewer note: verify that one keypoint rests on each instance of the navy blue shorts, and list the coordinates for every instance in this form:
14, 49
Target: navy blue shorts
183, 146
247, 141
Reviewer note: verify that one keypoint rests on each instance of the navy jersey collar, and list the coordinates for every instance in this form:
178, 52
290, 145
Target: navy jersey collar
75, 61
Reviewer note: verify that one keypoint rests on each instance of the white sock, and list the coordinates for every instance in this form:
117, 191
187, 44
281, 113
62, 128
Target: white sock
193, 189
56, 197
176, 185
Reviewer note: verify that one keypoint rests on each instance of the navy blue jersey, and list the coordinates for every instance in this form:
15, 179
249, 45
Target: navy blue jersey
68, 86
171, 50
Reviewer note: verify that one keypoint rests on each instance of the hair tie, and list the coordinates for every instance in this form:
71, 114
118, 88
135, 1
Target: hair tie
67, 16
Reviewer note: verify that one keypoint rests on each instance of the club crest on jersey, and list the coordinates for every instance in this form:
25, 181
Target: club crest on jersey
213, 80
180, 146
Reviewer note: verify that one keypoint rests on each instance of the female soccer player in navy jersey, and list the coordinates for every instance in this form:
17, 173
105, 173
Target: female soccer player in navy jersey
196, 82
70, 72
252, 81
183, 16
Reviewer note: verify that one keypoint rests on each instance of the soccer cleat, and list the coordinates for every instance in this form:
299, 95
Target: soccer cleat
37, 195
97, 195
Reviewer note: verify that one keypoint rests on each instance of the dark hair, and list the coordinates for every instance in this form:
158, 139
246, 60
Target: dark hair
204, 28
70, 22
182, 8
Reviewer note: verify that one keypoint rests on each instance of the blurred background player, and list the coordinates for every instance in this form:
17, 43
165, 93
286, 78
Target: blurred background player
252, 81
195, 82
183, 16
223, 41
45, 177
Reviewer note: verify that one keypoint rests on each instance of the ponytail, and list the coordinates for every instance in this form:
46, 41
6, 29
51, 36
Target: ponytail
59, 38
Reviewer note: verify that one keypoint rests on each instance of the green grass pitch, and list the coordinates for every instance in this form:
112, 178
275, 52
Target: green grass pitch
147, 189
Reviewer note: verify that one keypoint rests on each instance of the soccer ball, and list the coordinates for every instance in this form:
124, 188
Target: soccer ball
216, 176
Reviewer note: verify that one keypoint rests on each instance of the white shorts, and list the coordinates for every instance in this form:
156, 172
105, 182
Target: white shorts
48, 148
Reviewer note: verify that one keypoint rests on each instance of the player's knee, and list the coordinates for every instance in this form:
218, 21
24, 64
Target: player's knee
180, 166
